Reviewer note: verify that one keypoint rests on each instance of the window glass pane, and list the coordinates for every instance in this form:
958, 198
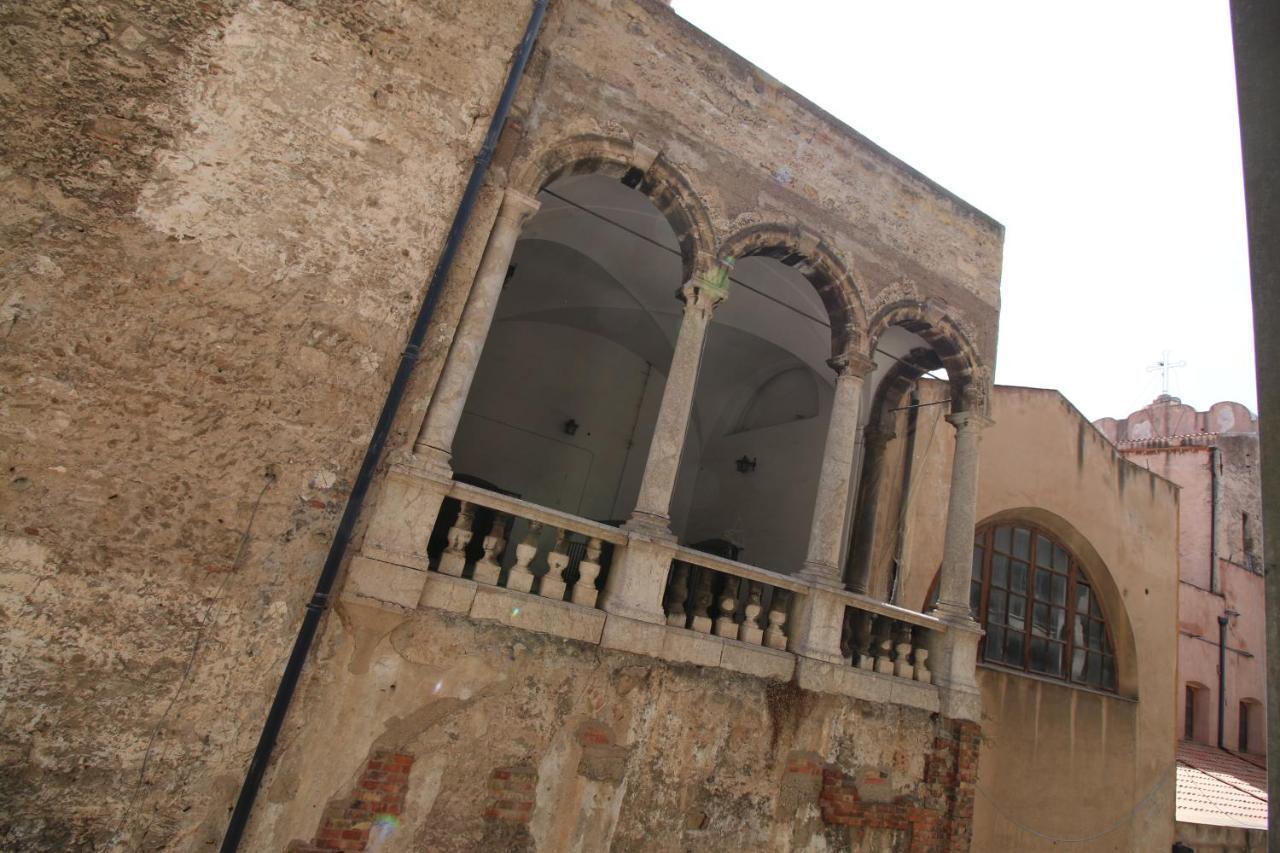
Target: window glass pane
975, 596
1058, 623
1000, 571
1013, 647
1017, 612
1077, 664
1040, 619
1044, 551
1022, 543
1108, 673
1042, 585
1095, 608
977, 562
1082, 598
1059, 559
1093, 634
995, 643
1093, 671
1018, 577
1053, 659
1003, 537
1039, 657
1059, 596
996, 607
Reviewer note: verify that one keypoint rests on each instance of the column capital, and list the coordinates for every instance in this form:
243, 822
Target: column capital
969, 421
517, 206
705, 292
851, 364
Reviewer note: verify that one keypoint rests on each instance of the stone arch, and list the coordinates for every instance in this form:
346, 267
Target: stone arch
896, 385
641, 168
821, 266
968, 377
1104, 585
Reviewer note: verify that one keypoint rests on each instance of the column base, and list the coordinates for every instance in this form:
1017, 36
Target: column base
638, 580
815, 624
650, 525
405, 514
954, 657
822, 574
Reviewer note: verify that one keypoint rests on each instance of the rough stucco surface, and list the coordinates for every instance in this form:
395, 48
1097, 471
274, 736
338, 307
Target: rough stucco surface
217, 219
687, 757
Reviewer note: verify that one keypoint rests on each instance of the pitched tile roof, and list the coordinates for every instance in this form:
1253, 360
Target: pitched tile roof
1219, 787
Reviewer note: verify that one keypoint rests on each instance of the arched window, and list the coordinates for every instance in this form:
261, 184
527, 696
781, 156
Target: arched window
1040, 612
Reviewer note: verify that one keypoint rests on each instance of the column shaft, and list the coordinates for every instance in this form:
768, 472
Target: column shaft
962, 509
653, 505
435, 438
831, 503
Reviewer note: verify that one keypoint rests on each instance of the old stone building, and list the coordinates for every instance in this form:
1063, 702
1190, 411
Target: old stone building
1213, 457
671, 544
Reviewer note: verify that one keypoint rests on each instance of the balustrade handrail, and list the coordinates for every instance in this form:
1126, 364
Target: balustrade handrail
742, 570
893, 611
534, 512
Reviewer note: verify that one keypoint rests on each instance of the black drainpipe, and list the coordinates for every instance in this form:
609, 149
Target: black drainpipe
373, 453
1222, 680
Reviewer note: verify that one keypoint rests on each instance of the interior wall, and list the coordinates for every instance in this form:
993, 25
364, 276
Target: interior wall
512, 433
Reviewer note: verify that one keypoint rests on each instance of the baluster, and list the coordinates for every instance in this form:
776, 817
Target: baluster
750, 630
489, 567
584, 591
557, 561
922, 671
884, 645
862, 641
520, 578
454, 558
676, 617
725, 626
775, 636
902, 664
846, 636
702, 602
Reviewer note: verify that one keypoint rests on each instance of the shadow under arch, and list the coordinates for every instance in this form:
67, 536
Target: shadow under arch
818, 263
926, 318
641, 169
1101, 580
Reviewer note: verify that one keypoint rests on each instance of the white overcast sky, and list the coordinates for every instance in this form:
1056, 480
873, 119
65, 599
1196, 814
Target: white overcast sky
1102, 134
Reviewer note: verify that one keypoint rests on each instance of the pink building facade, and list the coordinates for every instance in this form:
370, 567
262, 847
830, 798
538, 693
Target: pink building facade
1213, 457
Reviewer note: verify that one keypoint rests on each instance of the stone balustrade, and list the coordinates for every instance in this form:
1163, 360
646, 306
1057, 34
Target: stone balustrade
890, 646
715, 595
523, 547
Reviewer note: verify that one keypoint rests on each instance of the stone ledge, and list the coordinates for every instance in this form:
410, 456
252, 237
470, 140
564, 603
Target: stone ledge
680, 645
373, 581
445, 592
533, 613
845, 680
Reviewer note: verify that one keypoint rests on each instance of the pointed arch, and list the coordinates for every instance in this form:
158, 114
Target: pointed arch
644, 170
820, 265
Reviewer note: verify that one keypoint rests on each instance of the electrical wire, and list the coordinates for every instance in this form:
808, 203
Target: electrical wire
646, 238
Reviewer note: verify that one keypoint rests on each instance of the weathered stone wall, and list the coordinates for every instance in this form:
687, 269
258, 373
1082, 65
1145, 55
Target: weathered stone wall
513, 740
217, 219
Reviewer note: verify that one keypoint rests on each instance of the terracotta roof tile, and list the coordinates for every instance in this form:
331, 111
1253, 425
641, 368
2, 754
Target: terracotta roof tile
1218, 787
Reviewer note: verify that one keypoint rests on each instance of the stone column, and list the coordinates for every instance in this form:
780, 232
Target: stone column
956, 653
962, 511
435, 438
831, 504
651, 515
391, 568
862, 540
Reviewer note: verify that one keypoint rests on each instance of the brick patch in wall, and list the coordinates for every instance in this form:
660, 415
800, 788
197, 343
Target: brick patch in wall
511, 793
939, 817
350, 822
601, 760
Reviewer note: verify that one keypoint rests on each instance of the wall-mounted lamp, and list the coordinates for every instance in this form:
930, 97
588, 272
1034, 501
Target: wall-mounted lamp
570, 426
745, 465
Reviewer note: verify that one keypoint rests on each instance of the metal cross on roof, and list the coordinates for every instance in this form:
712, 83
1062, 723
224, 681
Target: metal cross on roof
1164, 365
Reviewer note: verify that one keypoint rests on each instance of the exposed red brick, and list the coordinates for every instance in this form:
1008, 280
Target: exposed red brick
348, 821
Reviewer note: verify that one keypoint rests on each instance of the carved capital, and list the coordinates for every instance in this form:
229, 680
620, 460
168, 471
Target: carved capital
852, 364
705, 292
517, 207
969, 421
